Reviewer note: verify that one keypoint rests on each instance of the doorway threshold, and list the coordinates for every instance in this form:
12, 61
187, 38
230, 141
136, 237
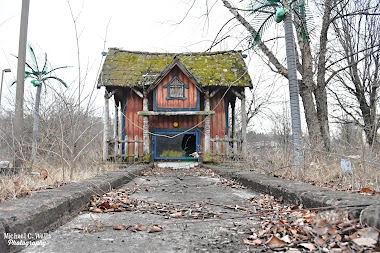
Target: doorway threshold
176, 165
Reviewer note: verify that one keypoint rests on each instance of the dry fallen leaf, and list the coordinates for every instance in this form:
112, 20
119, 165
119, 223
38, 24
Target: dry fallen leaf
275, 242
293, 250
154, 229
105, 205
176, 214
97, 210
286, 239
369, 232
252, 242
119, 227
309, 246
320, 241
366, 190
363, 241
139, 227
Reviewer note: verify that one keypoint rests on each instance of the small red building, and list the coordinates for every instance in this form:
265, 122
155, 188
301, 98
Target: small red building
168, 106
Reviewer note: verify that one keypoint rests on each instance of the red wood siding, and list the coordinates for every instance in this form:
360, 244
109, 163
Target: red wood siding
167, 121
218, 120
190, 93
133, 122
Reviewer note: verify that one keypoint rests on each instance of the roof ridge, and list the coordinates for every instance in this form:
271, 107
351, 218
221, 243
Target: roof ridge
175, 54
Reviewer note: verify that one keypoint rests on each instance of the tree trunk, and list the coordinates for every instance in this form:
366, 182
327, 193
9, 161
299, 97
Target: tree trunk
307, 84
320, 89
298, 160
36, 117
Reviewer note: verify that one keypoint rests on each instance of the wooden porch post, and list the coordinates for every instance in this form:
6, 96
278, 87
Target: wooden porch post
116, 131
105, 126
120, 130
243, 124
146, 142
207, 124
233, 126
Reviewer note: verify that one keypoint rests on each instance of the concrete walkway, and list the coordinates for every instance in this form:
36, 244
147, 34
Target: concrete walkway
180, 189
196, 211
364, 207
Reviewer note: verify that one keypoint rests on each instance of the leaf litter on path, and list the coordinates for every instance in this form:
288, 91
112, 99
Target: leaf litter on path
294, 229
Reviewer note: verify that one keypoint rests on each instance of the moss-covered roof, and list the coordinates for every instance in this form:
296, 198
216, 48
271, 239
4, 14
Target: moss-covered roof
129, 69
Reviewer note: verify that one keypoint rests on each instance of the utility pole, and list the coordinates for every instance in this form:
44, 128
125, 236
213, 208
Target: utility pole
1, 85
19, 108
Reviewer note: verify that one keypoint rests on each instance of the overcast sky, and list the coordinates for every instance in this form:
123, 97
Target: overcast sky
141, 25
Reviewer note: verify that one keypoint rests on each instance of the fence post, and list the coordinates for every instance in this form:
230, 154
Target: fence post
227, 146
217, 144
126, 154
136, 156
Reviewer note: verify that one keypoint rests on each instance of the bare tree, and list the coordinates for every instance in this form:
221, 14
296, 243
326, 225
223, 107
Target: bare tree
357, 29
316, 114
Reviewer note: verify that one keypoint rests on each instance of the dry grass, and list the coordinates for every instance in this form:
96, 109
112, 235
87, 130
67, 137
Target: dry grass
45, 176
322, 169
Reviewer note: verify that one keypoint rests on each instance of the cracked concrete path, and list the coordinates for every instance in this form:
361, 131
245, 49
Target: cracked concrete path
212, 211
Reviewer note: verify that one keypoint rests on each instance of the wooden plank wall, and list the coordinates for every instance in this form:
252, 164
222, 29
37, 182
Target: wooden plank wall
133, 122
218, 120
190, 93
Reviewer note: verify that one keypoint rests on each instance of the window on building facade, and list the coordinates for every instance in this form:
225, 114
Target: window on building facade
176, 89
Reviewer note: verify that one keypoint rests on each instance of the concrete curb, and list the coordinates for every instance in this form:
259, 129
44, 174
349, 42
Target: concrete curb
367, 208
46, 210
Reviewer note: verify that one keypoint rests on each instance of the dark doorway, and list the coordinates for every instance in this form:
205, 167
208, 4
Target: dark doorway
189, 144
175, 145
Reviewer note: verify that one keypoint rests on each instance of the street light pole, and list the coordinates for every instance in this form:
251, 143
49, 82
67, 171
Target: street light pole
1, 85
19, 108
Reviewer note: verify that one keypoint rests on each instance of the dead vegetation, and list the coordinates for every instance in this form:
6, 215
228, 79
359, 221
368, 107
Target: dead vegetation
321, 168
44, 177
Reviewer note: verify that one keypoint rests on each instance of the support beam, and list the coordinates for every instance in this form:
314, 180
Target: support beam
137, 92
175, 113
233, 126
146, 147
243, 125
116, 131
120, 131
212, 94
237, 94
110, 94
105, 126
207, 129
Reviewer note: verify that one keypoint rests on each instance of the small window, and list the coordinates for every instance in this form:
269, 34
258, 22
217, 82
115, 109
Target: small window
176, 89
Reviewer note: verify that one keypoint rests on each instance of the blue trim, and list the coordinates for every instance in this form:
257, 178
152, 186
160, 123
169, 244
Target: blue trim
154, 137
165, 109
168, 86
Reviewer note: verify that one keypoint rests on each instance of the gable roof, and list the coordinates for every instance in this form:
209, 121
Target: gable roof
130, 69
175, 63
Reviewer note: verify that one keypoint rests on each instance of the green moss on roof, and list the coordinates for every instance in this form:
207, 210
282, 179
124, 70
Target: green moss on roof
126, 68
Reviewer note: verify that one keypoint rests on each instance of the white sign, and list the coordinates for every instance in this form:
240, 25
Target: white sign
346, 166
